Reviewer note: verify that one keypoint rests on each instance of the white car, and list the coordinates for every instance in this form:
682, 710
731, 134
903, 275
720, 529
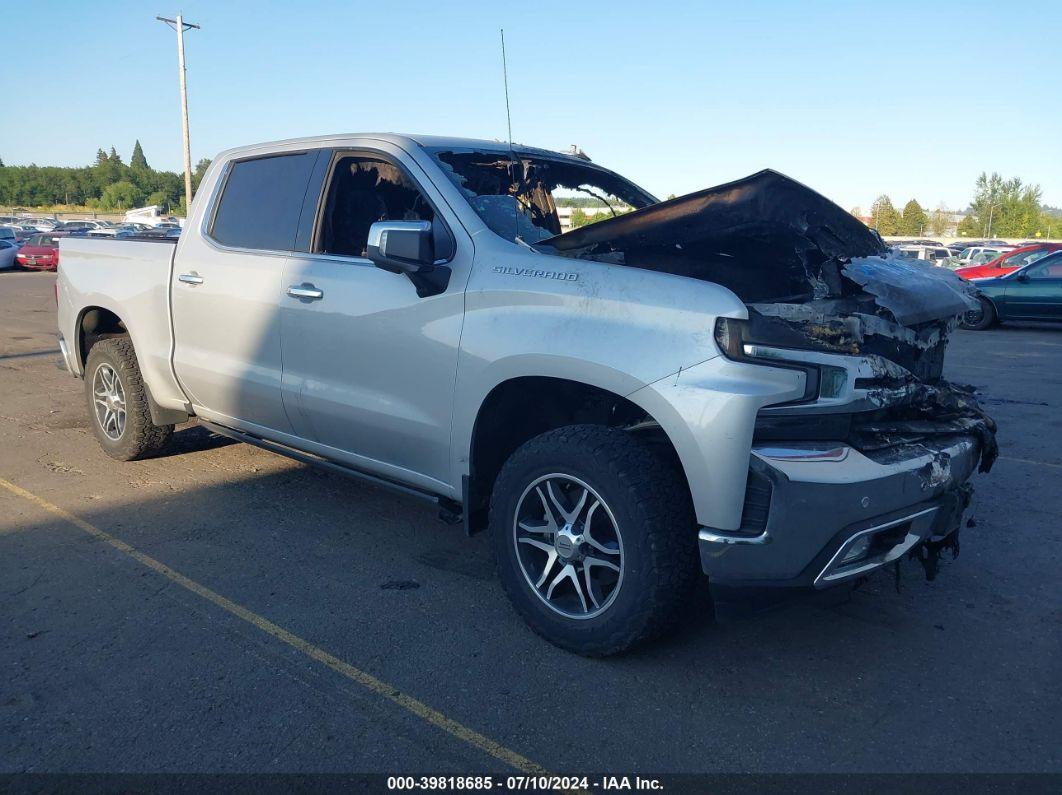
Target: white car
967, 256
86, 223
40, 224
932, 254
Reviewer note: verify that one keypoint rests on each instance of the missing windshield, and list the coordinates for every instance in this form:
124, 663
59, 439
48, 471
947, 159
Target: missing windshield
528, 197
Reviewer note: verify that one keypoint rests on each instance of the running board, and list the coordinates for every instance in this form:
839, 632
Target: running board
448, 509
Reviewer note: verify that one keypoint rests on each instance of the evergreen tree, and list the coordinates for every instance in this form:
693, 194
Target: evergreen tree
114, 157
914, 220
884, 216
969, 227
138, 160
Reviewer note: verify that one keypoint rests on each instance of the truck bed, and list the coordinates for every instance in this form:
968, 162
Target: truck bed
130, 278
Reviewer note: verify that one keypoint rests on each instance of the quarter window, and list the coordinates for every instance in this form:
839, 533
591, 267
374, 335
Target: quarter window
261, 202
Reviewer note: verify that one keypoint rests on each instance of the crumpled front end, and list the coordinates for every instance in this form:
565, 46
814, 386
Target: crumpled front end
871, 462
822, 514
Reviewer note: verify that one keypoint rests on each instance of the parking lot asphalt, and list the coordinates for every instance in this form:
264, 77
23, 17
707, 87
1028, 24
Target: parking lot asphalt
356, 632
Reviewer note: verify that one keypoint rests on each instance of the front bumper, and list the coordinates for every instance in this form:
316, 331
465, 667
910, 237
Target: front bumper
834, 514
37, 263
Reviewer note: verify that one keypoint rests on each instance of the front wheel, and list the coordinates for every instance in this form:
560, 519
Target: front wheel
595, 539
118, 402
981, 318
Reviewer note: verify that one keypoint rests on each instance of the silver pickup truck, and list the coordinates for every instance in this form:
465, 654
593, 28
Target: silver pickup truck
743, 381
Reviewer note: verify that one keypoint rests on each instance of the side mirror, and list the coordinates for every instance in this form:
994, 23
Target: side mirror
1023, 277
401, 246
408, 247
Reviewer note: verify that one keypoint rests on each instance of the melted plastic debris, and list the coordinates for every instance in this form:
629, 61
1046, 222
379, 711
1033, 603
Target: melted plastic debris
910, 290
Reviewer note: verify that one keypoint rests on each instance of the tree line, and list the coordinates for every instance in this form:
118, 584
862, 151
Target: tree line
1000, 208
109, 184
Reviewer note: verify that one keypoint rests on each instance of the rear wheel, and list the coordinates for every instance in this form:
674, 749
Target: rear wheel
118, 402
595, 540
981, 318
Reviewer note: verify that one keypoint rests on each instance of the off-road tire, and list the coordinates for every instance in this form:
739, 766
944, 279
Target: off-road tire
651, 504
987, 318
140, 438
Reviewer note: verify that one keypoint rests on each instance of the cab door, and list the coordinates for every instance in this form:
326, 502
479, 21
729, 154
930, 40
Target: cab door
369, 366
226, 291
1036, 292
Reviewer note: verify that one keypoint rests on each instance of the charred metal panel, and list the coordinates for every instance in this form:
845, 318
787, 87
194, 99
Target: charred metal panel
766, 237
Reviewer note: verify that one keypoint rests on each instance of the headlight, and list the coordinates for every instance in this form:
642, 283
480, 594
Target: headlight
732, 337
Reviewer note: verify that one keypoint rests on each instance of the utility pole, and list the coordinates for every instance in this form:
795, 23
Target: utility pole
180, 26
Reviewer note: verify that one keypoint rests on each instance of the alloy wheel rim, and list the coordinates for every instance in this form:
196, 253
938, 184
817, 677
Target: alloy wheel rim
108, 396
568, 545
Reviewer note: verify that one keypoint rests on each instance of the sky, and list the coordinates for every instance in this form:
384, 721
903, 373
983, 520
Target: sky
910, 99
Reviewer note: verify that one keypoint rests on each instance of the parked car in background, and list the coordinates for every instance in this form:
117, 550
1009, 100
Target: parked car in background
72, 226
981, 259
9, 233
159, 232
934, 254
1009, 262
916, 242
8, 251
120, 230
83, 225
40, 224
1033, 292
151, 216
40, 253
24, 231
966, 257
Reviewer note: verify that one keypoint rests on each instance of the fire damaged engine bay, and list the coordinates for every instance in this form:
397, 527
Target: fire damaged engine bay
813, 277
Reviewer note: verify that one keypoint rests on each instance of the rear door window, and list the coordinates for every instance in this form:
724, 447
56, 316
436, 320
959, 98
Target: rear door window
261, 202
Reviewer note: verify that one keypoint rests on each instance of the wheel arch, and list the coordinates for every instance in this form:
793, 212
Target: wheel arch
97, 323
93, 324
522, 407
995, 306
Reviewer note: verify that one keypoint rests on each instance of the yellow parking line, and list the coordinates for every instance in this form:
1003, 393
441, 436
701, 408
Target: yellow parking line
367, 680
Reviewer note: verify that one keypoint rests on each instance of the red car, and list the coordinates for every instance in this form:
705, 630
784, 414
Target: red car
40, 253
1009, 262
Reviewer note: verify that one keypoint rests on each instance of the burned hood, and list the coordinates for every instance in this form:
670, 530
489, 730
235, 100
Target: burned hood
769, 239
766, 205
